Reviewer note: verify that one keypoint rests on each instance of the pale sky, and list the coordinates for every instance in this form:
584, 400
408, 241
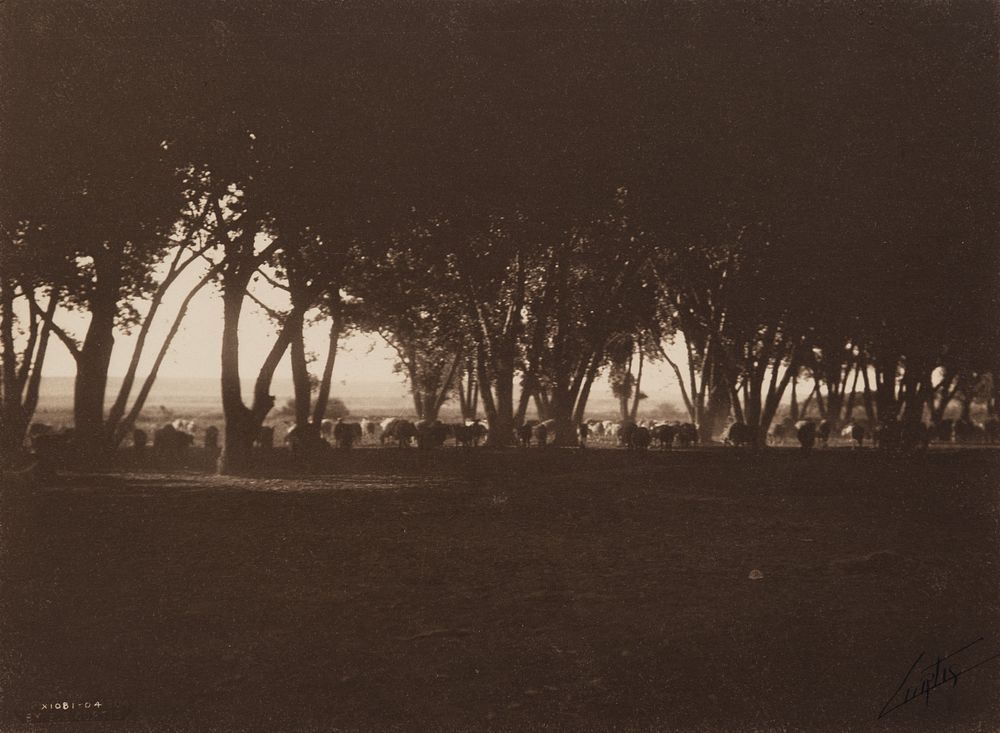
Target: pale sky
195, 351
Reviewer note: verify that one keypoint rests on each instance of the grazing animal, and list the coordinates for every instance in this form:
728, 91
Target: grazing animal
858, 434
265, 438
305, 438
170, 444
52, 450
944, 431
639, 438
212, 438
687, 435
664, 435
38, 428
967, 431
806, 434
740, 434
399, 430
431, 434
139, 441
915, 436
345, 434
992, 430
779, 433
823, 431
469, 435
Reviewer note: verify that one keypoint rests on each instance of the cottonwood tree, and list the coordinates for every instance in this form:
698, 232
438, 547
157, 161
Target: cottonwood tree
99, 196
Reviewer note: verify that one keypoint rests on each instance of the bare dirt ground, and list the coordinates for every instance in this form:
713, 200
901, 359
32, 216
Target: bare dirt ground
507, 591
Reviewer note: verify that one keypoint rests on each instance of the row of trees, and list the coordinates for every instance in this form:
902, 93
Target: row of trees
516, 198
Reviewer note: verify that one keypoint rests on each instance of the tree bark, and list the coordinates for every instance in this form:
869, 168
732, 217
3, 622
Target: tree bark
90, 385
301, 386
237, 452
323, 394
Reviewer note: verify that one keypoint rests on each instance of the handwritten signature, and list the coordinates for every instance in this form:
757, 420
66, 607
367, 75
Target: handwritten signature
931, 677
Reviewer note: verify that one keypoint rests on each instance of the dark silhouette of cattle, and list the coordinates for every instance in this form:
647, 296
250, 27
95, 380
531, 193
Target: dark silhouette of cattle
944, 431
139, 442
740, 434
915, 436
468, 436
211, 439
53, 450
823, 431
38, 428
170, 445
779, 433
626, 431
902, 436
399, 431
806, 433
265, 438
524, 434
858, 435
991, 428
664, 435
639, 438
687, 435
967, 432
346, 434
432, 434
306, 438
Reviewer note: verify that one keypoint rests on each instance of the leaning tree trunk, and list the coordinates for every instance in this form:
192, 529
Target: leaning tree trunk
323, 394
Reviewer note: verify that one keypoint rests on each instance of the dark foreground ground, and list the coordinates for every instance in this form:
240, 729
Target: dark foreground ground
558, 590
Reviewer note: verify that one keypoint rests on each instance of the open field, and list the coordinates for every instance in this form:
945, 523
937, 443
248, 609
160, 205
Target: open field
481, 590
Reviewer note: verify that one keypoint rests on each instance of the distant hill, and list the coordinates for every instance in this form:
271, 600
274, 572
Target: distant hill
203, 395
199, 395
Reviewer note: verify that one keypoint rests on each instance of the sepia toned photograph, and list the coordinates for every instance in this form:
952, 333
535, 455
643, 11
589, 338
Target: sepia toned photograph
499, 366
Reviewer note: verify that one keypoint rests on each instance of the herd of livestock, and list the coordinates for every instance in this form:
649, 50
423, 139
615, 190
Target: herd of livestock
172, 442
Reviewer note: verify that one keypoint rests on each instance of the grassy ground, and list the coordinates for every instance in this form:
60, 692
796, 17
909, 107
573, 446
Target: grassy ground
540, 590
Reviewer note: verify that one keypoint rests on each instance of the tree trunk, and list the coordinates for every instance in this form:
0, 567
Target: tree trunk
12, 419
588, 382
849, 409
237, 454
561, 414
323, 395
91, 380
501, 433
793, 409
870, 409
301, 385
715, 413
885, 392
637, 394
